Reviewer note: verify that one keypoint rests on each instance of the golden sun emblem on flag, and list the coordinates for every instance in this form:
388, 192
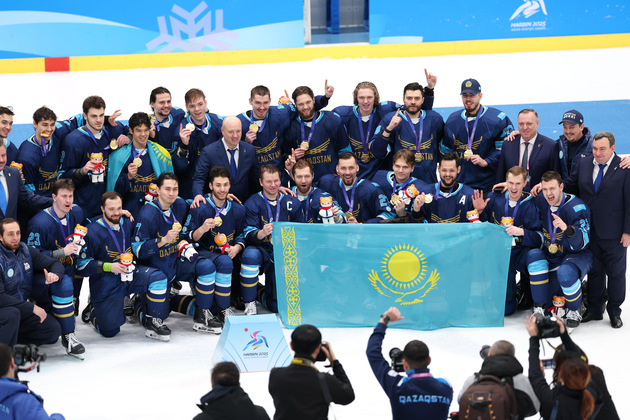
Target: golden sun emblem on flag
404, 269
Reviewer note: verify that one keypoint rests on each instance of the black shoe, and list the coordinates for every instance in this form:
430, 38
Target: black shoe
615, 321
590, 316
87, 311
75, 302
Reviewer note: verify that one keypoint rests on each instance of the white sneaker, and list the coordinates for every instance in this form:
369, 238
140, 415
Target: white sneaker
250, 308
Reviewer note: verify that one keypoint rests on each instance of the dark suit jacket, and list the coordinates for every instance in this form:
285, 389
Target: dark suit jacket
19, 195
246, 182
544, 156
610, 205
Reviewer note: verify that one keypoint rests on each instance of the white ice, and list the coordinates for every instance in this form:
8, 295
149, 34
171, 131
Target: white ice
130, 376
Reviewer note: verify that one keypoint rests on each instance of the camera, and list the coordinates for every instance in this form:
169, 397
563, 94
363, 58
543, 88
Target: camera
396, 355
547, 327
321, 356
27, 353
485, 350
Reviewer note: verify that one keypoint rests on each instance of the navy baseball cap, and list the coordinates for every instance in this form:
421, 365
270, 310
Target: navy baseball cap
470, 86
572, 117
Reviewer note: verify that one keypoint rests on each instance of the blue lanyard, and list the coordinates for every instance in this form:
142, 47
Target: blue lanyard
345, 194
364, 139
159, 206
402, 186
507, 203
65, 234
203, 126
45, 147
264, 121
157, 123
413, 128
550, 226
269, 212
217, 210
310, 135
472, 136
122, 232
89, 133
438, 192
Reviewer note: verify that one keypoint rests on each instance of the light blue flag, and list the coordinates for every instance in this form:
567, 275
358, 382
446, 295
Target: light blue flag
438, 275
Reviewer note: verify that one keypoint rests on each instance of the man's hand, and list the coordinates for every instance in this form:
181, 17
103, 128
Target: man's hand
536, 189
234, 250
132, 170
530, 326
625, 240
122, 140
290, 162
418, 202
232, 197
250, 136
112, 118
208, 224
431, 79
128, 215
328, 89
265, 231
298, 153
557, 222
118, 268
287, 191
478, 160
352, 220
50, 277
89, 166
512, 135
393, 314
328, 351
71, 249
478, 202
40, 313
184, 134
502, 186
197, 201
396, 119
625, 162
514, 231
399, 208
170, 235
152, 131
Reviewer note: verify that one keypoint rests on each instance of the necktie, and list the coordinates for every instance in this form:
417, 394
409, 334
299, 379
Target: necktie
525, 156
3, 197
233, 163
600, 175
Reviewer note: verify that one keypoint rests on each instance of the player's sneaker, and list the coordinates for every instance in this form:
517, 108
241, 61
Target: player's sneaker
205, 322
250, 308
224, 313
573, 319
87, 311
538, 311
72, 345
156, 329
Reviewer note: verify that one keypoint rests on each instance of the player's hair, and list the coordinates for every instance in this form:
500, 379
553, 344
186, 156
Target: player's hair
193, 94
607, 134
502, 347
260, 90
305, 339
301, 164
225, 373
164, 176
95, 102
4, 222
527, 111
218, 172
406, 155
110, 195
366, 85
6, 111
5, 359
138, 119
550, 176
347, 155
269, 169
575, 375
157, 91
301, 90
517, 171
414, 86
43, 114
450, 156
62, 184
416, 353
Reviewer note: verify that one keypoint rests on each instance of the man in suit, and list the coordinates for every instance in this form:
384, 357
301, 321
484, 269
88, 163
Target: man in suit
605, 187
236, 155
12, 190
530, 150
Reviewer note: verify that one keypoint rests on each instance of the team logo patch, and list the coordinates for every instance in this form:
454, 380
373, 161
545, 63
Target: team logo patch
10, 273
257, 340
404, 269
579, 207
561, 154
468, 84
27, 266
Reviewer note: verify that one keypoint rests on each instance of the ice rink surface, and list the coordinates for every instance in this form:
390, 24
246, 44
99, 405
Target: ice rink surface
132, 377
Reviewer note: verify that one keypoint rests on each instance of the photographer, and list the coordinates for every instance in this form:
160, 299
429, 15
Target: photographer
418, 394
16, 400
300, 390
569, 399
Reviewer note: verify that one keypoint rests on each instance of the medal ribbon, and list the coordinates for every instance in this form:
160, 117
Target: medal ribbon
310, 135
45, 147
135, 153
264, 121
413, 128
159, 206
438, 194
218, 211
550, 226
271, 219
420, 375
364, 139
89, 133
157, 122
471, 137
65, 234
402, 186
303, 362
507, 206
113, 235
203, 126
350, 203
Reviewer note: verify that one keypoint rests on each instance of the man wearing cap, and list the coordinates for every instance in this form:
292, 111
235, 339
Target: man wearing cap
605, 188
576, 141
476, 134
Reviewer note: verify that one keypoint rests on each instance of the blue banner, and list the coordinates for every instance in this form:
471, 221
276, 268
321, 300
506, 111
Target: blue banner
37, 28
438, 275
423, 21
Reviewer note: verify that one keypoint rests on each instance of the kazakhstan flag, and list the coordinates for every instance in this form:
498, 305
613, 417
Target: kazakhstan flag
438, 275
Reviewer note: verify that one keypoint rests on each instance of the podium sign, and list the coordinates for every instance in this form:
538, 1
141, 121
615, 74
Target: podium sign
253, 343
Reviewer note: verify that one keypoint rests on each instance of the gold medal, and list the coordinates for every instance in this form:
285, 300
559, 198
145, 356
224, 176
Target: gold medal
507, 221
190, 127
553, 248
218, 221
253, 127
418, 157
395, 199
365, 158
349, 215
428, 198
468, 154
177, 226
304, 145
138, 162
113, 145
